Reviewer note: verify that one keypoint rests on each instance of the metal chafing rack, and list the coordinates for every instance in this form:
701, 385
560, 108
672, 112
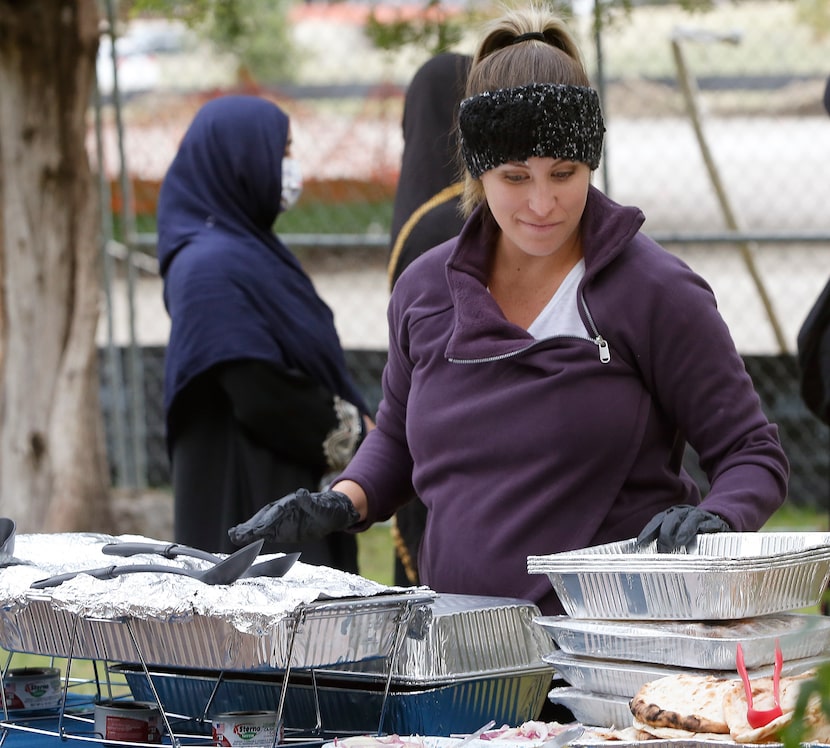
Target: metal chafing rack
479, 658
314, 617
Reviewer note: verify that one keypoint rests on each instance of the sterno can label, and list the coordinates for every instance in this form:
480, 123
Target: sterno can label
237, 729
33, 689
128, 721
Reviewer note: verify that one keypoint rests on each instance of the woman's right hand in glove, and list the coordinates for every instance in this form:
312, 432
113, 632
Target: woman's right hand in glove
298, 517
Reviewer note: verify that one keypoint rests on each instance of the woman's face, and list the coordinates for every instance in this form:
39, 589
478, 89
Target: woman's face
538, 203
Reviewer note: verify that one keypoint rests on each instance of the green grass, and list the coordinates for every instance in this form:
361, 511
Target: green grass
797, 519
376, 553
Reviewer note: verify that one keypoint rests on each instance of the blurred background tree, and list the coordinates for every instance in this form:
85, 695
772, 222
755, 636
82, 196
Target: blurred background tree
256, 32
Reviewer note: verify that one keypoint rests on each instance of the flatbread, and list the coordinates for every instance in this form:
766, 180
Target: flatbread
650, 732
735, 707
691, 703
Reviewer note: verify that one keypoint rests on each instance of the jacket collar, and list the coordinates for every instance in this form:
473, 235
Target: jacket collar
480, 331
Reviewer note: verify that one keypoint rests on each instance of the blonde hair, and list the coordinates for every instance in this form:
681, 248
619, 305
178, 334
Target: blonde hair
501, 63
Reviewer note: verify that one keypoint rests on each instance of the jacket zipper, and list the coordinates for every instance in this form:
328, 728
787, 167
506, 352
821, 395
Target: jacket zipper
601, 343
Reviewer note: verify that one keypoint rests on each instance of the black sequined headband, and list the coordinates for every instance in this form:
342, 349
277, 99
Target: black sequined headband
541, 119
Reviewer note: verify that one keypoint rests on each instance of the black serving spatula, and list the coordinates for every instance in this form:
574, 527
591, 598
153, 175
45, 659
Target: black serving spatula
227, 571
274, 567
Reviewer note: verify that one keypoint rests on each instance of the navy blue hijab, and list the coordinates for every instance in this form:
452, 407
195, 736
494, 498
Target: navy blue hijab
232, 289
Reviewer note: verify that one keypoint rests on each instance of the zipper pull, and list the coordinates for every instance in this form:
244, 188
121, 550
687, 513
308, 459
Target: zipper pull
604, 350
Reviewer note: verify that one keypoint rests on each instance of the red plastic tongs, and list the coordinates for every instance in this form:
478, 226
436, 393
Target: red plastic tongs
761, 717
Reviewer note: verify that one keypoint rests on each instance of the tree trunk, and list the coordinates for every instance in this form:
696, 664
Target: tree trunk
53, 467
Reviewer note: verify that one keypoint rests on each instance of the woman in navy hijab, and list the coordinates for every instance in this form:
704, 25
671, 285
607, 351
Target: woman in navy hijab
257, 395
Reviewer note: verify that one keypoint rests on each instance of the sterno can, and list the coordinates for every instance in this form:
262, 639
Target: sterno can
33, 689
128, 721
236, 729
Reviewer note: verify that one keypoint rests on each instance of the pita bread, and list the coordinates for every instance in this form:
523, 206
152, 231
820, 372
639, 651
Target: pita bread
649, 732
735, 707
691, 703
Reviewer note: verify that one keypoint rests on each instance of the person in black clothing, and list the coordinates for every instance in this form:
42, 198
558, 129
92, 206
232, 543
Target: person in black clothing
425, 214
813, 356
813, 345
257, 396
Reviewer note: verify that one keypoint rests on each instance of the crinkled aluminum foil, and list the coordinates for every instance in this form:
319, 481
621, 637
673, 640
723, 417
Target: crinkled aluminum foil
251, 606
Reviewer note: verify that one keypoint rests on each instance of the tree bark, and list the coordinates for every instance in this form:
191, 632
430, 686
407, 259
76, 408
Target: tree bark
53, 467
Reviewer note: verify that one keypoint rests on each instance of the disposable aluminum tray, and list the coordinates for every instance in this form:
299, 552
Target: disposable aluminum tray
596, 709
461, 706
317, 634
467, 636
627, 678
693, 644
478, 658
726, 576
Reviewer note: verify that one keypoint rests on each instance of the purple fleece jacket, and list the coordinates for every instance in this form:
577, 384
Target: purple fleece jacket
524, 447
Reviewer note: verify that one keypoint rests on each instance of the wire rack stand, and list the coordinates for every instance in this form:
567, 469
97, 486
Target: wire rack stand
87, 639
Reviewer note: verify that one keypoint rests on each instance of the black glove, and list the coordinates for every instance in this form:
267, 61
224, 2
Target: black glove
676, 527
297, 517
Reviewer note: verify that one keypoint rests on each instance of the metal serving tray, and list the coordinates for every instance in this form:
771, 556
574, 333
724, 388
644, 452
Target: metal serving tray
316, 634
627, 678
724, 576
477, 658
693, 644
452, 707
595, 709
467, 635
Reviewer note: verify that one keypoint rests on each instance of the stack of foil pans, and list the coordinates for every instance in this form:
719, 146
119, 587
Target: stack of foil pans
636, 615
724, 577
697, 645
477, 659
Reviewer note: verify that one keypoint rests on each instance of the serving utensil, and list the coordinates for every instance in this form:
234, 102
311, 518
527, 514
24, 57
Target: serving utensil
761, 717
473, 735
227, 571
274, 567
566, 737
8, 528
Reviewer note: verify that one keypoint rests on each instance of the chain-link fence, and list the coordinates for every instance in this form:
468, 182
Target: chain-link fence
715, 129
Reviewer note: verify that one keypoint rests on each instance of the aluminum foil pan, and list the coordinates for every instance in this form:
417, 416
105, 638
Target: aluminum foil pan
693, 644
627, 678
458, 707
312, 616
732, 575
596, 709
467, 635
711, 550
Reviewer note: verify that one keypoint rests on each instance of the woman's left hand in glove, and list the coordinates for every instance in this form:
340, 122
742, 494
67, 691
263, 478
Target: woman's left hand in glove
675, 528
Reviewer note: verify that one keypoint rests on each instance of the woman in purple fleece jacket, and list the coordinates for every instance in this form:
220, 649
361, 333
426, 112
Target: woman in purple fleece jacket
547, 366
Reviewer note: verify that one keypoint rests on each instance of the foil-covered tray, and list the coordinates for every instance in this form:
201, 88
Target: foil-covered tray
703, 645
322, 633
627, 678
598, 709
723, 576
313, 616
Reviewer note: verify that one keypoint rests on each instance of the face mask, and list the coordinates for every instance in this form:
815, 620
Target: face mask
292, 183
